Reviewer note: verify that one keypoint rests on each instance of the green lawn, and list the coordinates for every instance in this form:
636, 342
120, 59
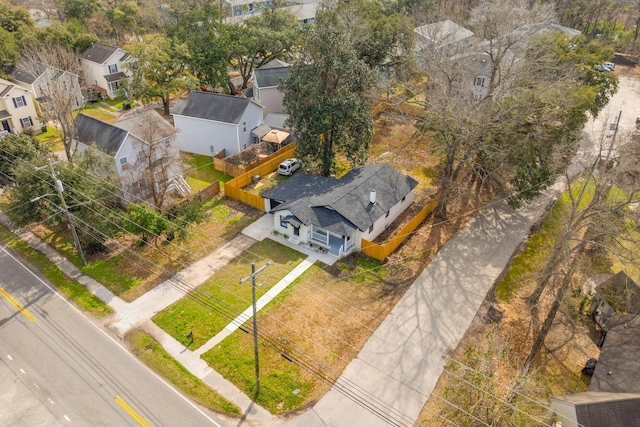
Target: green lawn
77, 293
200, 172
321, 321
150, 352
221, 298
51, 138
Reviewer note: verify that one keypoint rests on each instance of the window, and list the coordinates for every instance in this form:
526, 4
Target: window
19, 101
113, 69
123, 161
26, 122
283, 224
113, 86
213, 151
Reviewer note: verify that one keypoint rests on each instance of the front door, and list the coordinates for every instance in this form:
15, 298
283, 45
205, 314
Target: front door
5, 125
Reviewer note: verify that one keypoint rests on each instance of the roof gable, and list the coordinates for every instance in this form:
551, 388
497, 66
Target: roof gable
107, 137
212, 106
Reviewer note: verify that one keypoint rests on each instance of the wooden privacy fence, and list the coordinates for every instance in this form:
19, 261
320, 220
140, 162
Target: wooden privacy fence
233, 189
203, 195
381, 252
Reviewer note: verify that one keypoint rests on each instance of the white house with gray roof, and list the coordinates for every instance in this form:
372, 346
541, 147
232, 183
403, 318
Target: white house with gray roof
144, 152
104, 68
211, 122
265, 86
336, 214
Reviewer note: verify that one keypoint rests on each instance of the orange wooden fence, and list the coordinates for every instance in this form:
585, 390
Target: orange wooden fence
381, 252
233, 189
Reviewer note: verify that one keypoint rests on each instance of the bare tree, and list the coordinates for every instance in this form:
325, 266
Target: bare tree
157, 173
598, 210
56, 72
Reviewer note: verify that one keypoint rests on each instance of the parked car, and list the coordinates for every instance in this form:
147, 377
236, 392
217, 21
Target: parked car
602, 68
289, 166
610, 65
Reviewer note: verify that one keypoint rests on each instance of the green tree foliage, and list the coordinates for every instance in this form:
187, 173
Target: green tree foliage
15, 150
9, 53
206, 41
267, 36
80, 10
328, 96
89, 192
123, 18
14, 19
159, 69
142, 220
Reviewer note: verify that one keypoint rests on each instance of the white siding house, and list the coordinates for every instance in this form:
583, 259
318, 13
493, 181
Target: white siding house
17, 108
144, 152
211, 122
47, 83
104, 68
336, 214
265, 87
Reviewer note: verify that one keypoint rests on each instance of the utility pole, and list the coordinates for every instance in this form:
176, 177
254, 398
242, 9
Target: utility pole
60, 189
252, 276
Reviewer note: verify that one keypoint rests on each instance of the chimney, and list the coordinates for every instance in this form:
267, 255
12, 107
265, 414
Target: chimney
372, 196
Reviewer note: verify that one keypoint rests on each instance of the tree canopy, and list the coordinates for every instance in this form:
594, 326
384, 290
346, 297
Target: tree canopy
329, 96
159, 69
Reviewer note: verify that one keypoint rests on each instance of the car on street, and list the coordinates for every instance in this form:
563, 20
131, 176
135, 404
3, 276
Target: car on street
289, 166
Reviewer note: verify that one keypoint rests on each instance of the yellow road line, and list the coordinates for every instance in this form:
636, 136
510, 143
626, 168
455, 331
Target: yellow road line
129, 410
17, 305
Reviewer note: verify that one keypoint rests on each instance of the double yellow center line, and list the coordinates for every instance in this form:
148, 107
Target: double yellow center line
129, 410
17, 305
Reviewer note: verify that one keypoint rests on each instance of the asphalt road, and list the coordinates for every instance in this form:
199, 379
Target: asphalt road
58, 368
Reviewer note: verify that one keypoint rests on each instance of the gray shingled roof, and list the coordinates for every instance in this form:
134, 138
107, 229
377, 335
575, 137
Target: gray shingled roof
618, 368
4, 114
343, 205
212, 106
98, 52
270, 76
115, 76
20, 74
107, 137
147, 126
595, 409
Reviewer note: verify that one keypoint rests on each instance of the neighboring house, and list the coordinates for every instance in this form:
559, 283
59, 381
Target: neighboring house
17, 108
45, 82
144, 152
104, 68
211, 122
244, 7
336, 214
443, 35
304, 12
265, 86
613, 397
595, 409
